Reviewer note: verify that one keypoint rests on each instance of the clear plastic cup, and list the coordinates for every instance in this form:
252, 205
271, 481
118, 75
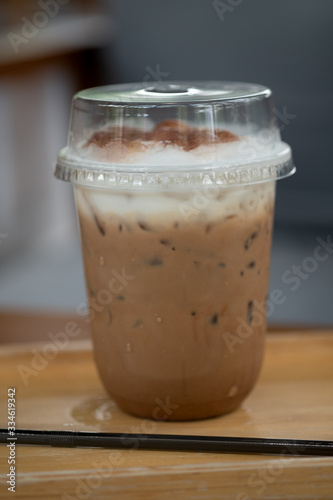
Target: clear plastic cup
174, 186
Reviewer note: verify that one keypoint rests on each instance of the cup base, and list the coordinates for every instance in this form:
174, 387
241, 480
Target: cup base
162, 411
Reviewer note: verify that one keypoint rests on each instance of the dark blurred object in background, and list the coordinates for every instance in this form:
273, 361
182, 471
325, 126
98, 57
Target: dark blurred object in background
284, 45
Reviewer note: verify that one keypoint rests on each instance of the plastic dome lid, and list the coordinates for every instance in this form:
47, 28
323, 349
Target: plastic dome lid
172, 135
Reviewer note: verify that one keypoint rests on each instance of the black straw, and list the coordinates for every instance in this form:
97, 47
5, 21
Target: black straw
169, 442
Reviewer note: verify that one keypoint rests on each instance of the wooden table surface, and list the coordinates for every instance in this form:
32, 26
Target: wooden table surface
293, 399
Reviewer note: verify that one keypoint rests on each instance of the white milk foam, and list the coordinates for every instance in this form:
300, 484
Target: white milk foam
194, 203
246, 150
191, 206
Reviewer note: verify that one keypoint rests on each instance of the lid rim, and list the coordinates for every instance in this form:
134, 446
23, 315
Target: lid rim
257, 172
90, 165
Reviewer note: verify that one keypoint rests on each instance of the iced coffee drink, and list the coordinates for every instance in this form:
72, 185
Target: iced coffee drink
176, 225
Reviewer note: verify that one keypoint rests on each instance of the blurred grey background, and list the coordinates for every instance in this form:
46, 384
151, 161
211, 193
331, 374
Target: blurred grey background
49, 51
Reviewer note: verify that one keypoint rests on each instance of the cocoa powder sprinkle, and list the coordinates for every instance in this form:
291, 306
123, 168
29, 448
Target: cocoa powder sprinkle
166, 132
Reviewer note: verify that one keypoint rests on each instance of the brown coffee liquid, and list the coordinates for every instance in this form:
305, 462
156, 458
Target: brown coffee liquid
176, 304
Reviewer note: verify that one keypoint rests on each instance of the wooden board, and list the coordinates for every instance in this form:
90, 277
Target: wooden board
293, 399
